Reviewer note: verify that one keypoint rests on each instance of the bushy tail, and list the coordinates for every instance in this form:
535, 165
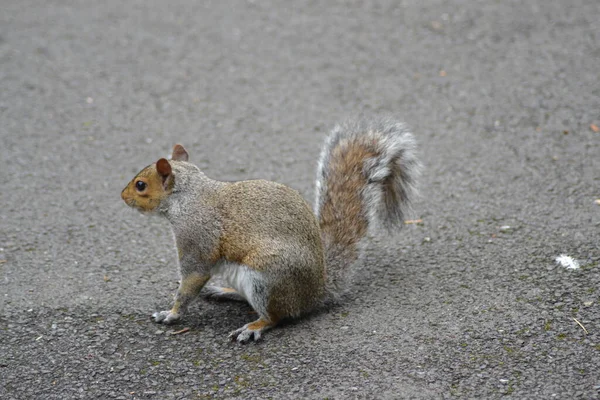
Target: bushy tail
365, 179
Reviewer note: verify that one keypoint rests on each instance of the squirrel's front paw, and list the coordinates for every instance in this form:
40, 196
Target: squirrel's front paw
165, 317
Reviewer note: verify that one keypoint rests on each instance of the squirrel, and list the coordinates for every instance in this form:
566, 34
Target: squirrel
262, 237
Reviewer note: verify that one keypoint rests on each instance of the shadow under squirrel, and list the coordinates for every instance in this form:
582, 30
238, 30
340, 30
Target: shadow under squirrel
262, 237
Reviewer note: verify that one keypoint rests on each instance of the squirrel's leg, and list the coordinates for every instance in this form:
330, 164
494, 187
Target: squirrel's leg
189, 288
221, 293
252, 331
255, 288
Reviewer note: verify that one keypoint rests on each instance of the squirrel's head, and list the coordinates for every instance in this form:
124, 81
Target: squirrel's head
154, 183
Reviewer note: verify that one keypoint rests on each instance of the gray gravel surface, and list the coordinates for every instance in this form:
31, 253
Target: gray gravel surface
470, 303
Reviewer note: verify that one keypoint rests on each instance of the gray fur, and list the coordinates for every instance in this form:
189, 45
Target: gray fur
391, 185
195, 224
341, 263
195, 227
397, 160
291, 265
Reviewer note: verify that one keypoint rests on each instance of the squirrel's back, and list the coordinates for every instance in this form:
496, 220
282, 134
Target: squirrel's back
264, 213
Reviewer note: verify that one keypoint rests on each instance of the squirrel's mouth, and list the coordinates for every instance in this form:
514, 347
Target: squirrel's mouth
130, 202
140, 207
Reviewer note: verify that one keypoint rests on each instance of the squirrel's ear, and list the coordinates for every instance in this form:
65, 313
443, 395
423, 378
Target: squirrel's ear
179, 153
163, 168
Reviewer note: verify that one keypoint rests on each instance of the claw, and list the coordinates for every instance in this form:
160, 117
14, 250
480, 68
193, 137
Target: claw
252, 331
245, 335
165, 317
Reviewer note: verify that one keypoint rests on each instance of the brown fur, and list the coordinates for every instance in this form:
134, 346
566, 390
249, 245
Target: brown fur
189, 287
259, 217
179, 153
154, 193
264, 238
260, 324
342, 218
264, 225
191, 284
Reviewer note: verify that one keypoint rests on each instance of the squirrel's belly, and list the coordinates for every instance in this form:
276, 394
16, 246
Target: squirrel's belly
248, 282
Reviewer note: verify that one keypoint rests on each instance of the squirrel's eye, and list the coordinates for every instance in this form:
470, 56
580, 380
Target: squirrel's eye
140, 186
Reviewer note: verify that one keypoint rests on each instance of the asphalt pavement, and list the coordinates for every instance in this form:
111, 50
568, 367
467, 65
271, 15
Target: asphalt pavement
502, 96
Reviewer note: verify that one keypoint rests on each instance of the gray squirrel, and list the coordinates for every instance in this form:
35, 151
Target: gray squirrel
262, 237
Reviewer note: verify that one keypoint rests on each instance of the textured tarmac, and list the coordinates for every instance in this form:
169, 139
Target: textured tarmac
503, 97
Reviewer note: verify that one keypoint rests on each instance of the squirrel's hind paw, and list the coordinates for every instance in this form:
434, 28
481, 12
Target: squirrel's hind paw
244, 335
165, 317
251, 331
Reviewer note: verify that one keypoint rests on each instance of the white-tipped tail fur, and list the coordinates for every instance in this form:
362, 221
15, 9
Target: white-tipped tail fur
365, 180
